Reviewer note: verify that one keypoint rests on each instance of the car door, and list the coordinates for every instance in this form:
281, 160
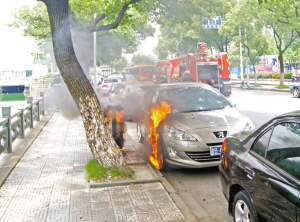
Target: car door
144, 114
268, 175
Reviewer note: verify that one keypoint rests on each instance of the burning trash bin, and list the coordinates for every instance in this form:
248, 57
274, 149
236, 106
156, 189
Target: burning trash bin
114, 117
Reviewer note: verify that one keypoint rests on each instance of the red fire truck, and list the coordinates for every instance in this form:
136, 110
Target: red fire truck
142, 72
213, 71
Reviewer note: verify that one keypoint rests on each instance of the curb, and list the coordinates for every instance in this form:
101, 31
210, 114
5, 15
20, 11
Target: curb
185, 210
122, 183
20, 148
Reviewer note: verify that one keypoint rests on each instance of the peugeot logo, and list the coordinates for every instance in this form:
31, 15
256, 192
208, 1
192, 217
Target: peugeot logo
220, 134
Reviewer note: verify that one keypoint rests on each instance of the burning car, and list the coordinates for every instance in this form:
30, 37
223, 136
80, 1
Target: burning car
186, 123
129, 96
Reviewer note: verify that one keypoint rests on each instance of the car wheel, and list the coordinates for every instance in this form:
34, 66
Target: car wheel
140, 135
163, 166
296, 93
243, 209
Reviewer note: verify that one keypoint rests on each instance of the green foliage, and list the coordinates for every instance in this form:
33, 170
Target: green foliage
110, 44
256, 85
141, 60
119, 64
94, 170
116, 172
282, 87
181, 26
268, 75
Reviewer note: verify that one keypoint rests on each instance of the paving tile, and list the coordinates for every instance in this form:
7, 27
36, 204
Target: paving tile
49, 184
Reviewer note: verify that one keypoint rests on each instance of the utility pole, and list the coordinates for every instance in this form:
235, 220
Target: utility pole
241, 52
246, 51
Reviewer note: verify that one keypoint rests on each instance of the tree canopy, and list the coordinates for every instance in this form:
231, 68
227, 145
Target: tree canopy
131, 30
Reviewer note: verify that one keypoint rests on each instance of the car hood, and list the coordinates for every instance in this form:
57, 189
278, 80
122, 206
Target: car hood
225, 118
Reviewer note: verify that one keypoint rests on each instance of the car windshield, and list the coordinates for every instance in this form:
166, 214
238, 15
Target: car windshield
119, 88
193, 99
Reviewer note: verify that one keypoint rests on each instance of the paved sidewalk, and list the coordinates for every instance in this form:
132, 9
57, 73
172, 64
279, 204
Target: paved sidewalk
48, 184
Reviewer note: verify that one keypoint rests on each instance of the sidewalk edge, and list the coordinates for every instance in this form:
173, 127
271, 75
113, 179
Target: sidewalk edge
21, 148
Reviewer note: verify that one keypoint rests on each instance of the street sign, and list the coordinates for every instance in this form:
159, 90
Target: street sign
215, 23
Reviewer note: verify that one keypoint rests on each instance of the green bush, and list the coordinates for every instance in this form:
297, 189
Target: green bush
268, 75
282, 87
94, 170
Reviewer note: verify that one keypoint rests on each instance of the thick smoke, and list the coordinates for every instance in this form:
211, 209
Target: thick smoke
60, 99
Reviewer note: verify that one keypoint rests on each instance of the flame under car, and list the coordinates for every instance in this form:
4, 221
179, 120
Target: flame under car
191, 135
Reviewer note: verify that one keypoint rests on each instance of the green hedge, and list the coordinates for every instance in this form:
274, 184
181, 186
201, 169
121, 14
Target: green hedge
267, 75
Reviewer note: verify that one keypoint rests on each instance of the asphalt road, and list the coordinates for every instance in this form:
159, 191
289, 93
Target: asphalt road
201, 188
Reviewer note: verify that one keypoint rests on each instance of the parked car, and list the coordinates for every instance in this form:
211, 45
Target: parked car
192, 134
105, 86
260, 171
119, 77
295, 90
129, 96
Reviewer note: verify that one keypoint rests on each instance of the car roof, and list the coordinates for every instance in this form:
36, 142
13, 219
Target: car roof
180, 85
295, 113
138, 83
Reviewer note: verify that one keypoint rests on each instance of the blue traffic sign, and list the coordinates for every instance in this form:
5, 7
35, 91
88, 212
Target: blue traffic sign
215, 23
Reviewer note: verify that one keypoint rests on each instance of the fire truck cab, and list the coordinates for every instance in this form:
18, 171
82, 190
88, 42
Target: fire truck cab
213, 71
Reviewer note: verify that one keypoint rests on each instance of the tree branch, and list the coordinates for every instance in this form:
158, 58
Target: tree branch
218, 45
96, 21
116, 23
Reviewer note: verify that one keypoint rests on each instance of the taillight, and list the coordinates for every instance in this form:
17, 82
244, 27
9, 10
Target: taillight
104, 86
223, 148
228, 87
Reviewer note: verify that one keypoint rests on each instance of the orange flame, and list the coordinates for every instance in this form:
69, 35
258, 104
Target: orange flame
119, 116
158, 113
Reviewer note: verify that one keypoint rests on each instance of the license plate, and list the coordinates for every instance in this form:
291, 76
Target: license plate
215, 150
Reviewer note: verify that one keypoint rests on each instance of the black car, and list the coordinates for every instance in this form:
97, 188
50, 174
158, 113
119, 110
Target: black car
295, 90
260, 171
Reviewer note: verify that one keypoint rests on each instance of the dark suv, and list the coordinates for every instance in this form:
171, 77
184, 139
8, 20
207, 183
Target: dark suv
260, 172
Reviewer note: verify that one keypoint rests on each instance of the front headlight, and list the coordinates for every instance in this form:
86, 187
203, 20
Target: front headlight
249, 127
178, 134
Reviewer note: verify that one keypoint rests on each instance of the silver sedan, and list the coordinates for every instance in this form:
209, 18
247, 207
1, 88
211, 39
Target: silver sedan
191, 135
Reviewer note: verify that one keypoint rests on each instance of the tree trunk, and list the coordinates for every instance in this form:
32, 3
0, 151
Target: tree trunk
99, 138
255, 76
281, 82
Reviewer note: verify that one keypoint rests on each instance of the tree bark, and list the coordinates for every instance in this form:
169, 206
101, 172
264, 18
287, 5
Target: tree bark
99, 138
280, 58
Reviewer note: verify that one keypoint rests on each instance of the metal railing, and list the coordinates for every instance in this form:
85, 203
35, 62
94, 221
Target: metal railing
13, 126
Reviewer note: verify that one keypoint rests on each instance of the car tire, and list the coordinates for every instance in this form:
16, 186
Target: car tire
163, 166
243, 209
140, 134
296, 93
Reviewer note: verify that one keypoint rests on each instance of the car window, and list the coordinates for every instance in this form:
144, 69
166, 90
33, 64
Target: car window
261, 145
137, 88
193, 99
119, 89
284, 148
147, 98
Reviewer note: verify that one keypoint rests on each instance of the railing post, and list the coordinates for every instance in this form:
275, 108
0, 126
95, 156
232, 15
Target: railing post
42, 94
29, 101
6, 113
22, 134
